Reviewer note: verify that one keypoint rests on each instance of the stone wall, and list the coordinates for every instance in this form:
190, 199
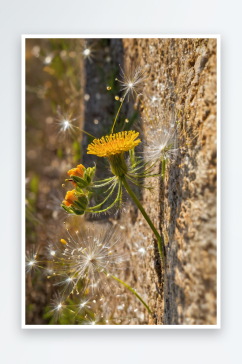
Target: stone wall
182, 87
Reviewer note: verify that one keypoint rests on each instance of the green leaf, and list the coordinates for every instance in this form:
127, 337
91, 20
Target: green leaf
34, 184
60, 153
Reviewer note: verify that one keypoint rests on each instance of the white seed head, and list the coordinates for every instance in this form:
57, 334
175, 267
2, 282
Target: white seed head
133, 81
65, 124
161, 143
92, 255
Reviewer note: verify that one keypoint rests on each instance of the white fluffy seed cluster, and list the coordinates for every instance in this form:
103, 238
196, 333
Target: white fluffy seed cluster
161, 143
92, 255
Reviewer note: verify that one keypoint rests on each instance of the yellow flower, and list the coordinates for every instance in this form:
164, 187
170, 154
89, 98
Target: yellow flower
114, 144
70, 198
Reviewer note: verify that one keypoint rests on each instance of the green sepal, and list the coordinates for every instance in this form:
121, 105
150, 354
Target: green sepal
90, 171
77, 212
83, 199
81, 183
86, 180
67, 209
82, 202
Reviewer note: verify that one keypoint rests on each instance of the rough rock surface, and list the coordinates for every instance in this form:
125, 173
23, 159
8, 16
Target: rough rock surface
183, 80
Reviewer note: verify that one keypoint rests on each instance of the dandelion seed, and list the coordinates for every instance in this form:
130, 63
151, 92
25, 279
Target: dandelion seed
133, 81
65, 123
83, 305
88, 51
30, 261
48, 59
91, 321
35, 51
66, 282
57, 305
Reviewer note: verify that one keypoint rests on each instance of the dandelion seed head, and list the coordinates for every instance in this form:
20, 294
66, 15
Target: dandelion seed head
65, 123
65, 126
48, 59
30, 261
87, 257
88, 51
161, 143
132, 81
31, 264
57, 305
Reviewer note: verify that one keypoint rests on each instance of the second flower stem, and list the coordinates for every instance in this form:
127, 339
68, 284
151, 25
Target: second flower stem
163, 169
133, 291
140, 207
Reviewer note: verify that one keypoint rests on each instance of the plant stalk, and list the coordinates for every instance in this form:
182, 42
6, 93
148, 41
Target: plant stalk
163, 169
133, 291
138, 204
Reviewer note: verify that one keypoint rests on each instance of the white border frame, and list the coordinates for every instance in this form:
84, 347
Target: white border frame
83, 327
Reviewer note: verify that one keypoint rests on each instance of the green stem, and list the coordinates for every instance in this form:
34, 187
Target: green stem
118, 112
138, 204
163, 169
133, 291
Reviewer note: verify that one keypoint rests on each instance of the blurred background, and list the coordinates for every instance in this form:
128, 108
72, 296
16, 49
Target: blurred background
66, 89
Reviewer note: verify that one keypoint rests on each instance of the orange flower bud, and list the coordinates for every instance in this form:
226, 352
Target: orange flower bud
70, 198
78, 171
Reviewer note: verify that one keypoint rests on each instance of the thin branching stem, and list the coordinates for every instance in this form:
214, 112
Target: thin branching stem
163, 168
132, 290
138, 204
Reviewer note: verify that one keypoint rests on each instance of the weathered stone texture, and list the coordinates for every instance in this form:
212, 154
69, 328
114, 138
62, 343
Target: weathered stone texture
183, 80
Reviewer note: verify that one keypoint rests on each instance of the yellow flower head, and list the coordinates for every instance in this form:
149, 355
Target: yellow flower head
113, 144
70, 198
